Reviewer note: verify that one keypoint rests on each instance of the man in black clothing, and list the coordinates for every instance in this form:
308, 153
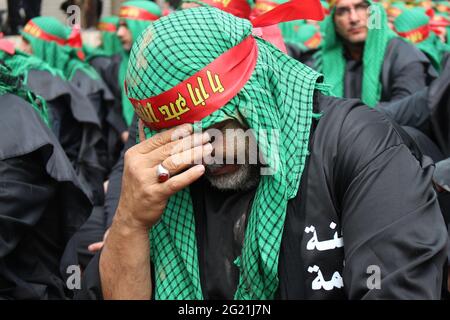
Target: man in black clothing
42, 202
363, 199
362, 58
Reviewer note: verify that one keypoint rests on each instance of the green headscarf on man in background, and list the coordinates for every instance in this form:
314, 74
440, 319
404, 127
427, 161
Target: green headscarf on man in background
332, 62
13, 84
48, 38
137, 15
414, 25
110, 44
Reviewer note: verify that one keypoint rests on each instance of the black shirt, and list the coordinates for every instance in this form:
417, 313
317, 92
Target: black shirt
361, 185
405, 71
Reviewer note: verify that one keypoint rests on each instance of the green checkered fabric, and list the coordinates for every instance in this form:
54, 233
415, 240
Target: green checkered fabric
13, 84
277, 98
332, 62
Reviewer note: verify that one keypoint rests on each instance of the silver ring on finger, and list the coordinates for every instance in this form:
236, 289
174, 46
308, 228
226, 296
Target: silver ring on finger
162, 173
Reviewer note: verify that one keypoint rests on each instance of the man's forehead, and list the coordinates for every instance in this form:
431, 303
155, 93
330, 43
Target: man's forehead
347, 3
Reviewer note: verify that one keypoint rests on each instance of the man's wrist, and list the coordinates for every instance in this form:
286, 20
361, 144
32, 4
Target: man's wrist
127, 224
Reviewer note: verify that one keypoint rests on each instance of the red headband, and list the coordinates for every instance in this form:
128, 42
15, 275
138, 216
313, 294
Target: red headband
314, 41
216, 84
203, 93
134, 13
73, 41
417, 35
107, 26
394, 11
34, 30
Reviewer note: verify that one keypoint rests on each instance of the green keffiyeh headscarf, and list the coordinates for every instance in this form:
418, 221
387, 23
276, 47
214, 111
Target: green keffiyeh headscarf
13, 84
110, 42
413, 24
291, 32
136, 27
303, 35
332, 62
277, 98
395, 9
21, 64
47, 36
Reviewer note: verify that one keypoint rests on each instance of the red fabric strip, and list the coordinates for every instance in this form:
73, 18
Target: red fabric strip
417, 35
108, 27
7, 46
314, 41
292, 10
271, 34
238, 8
34, 30
440, 21
74, 39
134, 13
203, 93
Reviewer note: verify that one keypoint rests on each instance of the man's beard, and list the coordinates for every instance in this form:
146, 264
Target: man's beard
245, 178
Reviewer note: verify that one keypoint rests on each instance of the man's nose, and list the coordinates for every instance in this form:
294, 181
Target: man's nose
354, 17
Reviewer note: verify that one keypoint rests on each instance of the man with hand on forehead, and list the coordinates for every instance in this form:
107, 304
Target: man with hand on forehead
335, 191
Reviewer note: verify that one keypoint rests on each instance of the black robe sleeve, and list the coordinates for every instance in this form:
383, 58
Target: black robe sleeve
405, 71
42, 204
20, 176
78, 129
391, 220
91, 286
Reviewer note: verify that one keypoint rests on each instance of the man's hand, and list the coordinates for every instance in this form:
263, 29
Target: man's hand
143, 198
125, 260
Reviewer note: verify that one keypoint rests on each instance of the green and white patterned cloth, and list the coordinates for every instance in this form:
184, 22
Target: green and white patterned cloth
13, 84
278, 98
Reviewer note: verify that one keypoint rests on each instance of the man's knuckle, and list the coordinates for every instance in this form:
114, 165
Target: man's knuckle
174, 185
129, 155
157, 140
170, 163
167, 150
